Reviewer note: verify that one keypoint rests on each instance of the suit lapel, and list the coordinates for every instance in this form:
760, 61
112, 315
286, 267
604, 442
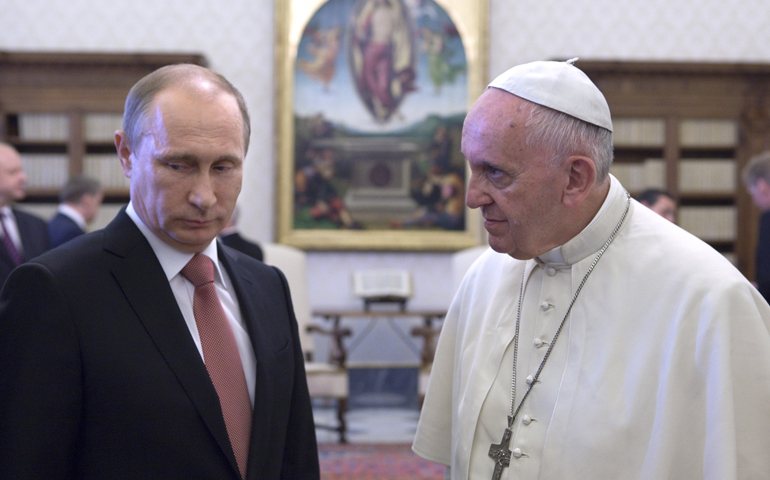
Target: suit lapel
26, 235
252, 300
144, 284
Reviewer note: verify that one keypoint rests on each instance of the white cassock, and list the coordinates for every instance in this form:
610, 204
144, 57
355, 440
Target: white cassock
662, 370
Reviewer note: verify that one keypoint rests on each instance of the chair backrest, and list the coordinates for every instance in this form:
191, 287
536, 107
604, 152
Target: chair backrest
461, 262
293, 263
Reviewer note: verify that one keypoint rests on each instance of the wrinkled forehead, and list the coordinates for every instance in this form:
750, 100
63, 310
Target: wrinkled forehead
499, 106
497, 114
190, 108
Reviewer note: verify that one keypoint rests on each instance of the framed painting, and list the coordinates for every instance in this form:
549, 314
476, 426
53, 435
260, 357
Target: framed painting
372, 95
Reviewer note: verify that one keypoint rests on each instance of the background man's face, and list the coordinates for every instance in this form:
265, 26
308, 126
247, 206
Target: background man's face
665, 207
186, 173
91, 204
13, 180
513, 183
760, 193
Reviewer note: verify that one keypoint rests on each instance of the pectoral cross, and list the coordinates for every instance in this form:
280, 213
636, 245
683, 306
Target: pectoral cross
500, 454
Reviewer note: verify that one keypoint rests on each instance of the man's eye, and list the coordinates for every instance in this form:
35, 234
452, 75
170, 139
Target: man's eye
494, 172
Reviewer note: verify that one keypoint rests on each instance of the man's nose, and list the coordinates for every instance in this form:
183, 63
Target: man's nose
475, 197
202, 193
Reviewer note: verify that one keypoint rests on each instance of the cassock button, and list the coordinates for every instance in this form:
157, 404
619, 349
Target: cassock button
517, 452
538, 343
529, 379
550, 271
544, 306
526, 420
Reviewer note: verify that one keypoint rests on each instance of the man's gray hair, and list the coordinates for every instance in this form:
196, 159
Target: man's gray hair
757, 168
78, 186
564, 135
144, 91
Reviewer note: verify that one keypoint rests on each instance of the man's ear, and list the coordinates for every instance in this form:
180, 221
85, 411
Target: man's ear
582, 176
124, 152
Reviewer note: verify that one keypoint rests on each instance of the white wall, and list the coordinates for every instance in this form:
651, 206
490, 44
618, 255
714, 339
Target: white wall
237, 38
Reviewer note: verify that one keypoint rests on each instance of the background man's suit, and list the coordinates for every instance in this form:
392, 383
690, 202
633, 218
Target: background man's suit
130, 388
762, 273
236, 241
34, 240
62, 228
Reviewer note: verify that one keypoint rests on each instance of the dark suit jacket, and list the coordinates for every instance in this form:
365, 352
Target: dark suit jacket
34, 241
763, 257
62, 228
236, 241
101, 378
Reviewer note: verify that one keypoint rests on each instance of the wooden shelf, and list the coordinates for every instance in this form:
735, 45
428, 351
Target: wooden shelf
707, 153
636, 154
708, 198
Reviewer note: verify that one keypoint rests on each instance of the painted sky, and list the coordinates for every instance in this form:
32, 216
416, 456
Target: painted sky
340, 103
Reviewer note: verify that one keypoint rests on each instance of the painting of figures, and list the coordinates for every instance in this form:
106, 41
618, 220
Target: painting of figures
380, 92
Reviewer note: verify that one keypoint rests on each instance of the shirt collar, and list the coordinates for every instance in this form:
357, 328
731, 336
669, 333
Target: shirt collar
593, 237
172, 260
70, 212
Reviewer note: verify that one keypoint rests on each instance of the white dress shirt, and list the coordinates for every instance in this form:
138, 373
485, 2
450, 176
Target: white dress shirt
173, 261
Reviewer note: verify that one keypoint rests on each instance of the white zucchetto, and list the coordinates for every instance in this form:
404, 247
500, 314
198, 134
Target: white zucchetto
560, 86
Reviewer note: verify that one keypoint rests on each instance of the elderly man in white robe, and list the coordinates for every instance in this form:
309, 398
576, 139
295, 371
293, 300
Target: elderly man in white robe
595, 340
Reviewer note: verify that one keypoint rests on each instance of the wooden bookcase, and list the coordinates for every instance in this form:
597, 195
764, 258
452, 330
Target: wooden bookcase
690, 128
60, 111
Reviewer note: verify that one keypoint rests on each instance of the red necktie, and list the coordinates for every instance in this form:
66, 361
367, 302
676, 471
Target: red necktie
8, 242
220, 353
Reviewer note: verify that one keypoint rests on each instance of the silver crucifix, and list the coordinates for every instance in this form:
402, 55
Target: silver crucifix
500, 454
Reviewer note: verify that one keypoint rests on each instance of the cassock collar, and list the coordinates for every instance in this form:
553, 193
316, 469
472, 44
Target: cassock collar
593, 237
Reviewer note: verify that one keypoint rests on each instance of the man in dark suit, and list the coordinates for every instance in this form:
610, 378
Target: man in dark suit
113, 364
756, 178
24, 236
80, 199
230, 237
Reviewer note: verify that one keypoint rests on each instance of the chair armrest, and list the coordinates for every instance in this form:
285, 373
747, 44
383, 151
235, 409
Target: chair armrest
429, 335
338, 354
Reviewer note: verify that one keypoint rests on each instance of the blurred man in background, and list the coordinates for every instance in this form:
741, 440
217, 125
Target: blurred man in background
25, 236
80, 200
660, 202
230, 237
756, 177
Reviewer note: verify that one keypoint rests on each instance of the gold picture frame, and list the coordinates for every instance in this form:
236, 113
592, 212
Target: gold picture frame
371, 95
